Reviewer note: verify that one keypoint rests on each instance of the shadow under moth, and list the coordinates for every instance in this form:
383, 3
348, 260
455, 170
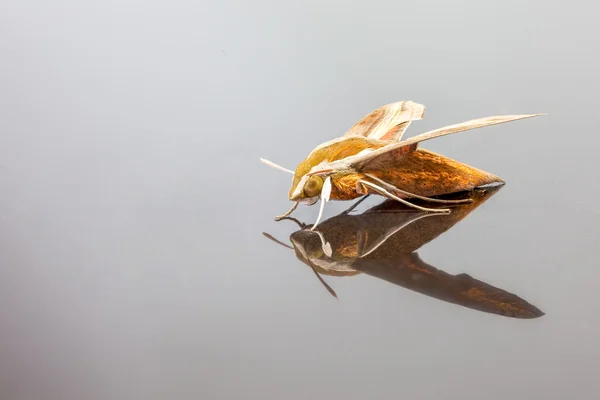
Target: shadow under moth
372, 158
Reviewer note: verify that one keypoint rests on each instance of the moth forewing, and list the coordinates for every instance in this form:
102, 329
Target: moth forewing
468, 125
422, 173
388, 122
405, 146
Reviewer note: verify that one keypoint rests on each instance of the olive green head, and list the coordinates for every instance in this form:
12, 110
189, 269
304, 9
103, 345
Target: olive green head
306, 188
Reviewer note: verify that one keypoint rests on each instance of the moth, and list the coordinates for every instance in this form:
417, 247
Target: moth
372, 158
383, 241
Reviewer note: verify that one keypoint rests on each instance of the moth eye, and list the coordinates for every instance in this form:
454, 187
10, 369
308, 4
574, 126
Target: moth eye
313, 187
317, 252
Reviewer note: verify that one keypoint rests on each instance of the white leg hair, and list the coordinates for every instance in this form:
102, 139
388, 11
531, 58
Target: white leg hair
391, 233
387, 194
325, 246
416, 196
325, 195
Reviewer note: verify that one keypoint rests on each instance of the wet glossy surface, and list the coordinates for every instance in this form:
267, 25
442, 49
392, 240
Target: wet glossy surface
132, 202
383, 242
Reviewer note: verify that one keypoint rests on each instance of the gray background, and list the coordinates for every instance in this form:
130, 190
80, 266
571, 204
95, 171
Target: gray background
132, 201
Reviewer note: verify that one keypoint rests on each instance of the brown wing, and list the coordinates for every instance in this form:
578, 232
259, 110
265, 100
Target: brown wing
411, 272
425, 173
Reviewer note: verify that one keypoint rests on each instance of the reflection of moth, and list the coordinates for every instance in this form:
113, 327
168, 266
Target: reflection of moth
382, 242
371, 159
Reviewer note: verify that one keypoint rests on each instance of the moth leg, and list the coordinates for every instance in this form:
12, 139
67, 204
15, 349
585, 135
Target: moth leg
381, 241
348, 211
325, 245
287, 214
325, 195
416, 196
389, 195
301, 225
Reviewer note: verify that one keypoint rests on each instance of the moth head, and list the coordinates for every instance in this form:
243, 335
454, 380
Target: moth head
309, 188
309, 179
306, 189
313, 248
307, 245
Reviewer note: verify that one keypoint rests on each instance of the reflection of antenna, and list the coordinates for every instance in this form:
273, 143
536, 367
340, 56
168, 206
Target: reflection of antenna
279, 242
329, 289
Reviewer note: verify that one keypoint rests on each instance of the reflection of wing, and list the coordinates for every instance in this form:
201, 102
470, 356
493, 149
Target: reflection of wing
382, 242
388, 122
411, 272
388, 229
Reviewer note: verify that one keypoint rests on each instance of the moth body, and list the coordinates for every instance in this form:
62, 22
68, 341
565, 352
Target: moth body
371, 158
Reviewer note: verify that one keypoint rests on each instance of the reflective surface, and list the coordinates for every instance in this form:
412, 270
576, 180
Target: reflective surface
133, 201
382, 242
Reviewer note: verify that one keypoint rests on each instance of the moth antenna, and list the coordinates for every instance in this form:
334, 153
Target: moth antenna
325, 194
279, 167
329, 289
265, 234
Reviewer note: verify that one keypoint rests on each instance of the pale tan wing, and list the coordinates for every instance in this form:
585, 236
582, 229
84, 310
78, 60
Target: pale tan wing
396, 150
465, 126
388, 122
